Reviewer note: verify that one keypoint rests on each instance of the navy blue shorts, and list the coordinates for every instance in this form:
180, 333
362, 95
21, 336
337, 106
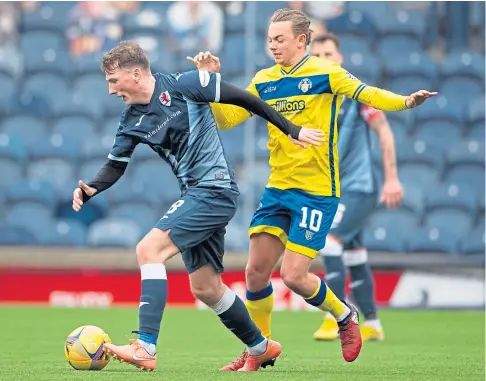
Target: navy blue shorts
354, 211
197, 225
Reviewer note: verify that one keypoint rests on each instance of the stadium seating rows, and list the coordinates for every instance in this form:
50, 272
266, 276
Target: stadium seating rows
57, 125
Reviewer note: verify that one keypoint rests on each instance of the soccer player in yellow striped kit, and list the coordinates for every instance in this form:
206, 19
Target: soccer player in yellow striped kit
298, 205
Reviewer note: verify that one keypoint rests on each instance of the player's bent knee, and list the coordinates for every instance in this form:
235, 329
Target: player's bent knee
257, 276
293, 279
208, 294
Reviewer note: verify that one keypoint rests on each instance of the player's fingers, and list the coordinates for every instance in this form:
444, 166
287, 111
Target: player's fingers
191, 60
297, 142
207, 54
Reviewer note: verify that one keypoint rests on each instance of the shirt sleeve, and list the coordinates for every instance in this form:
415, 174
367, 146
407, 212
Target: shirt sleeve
368, 114
344, 83
123, 147
198, 86
228, 116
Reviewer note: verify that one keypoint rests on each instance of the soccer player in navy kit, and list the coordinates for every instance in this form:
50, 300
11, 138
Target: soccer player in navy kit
171, 114
359, 197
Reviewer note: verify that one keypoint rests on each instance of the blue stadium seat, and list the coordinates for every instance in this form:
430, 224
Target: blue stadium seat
260, 174
44, 51
413, 63
65, 233
90, 168
355, 22
236, 237
443, 239
145, 216
466, 152
233, 143
413, 198
400, 217
467, 87
473, 243
376, 10
12, 147
76, 127
264, 10
475, 111
405, 117
97, 147
449, 217
409, 83
159, 175
139, 191
452, 195
58, 88
465, 64
27, 128
350, 44
403, 23
11, 171
441, 107
476, 131
9, 87
58, 172
367, 69
234, 21
441, 134
404, 47
468, 175
114, 232
419, 174
385, 238
419, 152
110, 126
93, 210
32, 216
233, 55
33, 191
14, 235
48, 16
29, 103
86, 64
57, 146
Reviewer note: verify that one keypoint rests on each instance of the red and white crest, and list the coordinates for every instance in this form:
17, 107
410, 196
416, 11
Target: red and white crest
165, 99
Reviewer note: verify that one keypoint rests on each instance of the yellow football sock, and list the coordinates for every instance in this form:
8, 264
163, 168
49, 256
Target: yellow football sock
260, 305
331, 302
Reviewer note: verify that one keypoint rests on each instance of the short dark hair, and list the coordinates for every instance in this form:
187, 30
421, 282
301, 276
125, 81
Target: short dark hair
127, 54
327, 37
300, 22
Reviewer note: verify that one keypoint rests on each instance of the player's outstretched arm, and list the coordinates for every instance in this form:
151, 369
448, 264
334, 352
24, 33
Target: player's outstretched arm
108, 175
230, 94
345, 84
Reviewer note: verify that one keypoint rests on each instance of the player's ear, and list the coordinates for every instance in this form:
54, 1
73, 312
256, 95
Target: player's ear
137, 74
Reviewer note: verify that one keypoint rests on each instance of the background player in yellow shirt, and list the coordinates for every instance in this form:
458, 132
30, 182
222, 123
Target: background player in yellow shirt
302, 195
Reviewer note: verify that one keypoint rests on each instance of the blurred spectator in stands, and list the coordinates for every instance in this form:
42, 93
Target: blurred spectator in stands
195, 26
94, 26
10, 56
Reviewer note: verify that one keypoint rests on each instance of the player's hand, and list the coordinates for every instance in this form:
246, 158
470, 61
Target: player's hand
309, 136
416, 99
392, 194
78, 195
206, 61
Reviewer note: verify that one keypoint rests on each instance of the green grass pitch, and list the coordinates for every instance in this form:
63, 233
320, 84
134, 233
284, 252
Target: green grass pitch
193, 345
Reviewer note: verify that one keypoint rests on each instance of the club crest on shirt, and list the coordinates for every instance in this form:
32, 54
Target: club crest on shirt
165, 99
305, 85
